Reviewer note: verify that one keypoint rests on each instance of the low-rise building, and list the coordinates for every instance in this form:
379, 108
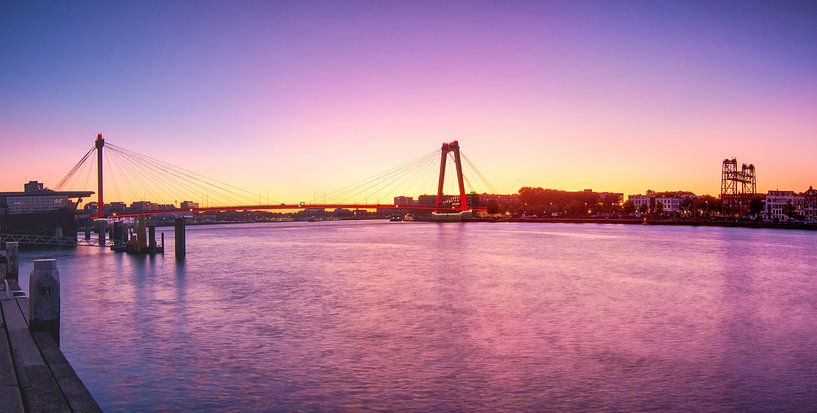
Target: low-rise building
670, 201
449, 201
115, 207
405, 201
810, 204
189, 205
143, 206
640, 200
782, 205
611, 197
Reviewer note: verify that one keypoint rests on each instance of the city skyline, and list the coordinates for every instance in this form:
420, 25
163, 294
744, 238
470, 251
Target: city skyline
293, 99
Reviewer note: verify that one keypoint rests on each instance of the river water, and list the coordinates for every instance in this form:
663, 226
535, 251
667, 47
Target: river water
373, 315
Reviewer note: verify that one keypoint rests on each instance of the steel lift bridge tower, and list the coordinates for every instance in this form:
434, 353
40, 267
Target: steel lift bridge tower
737, 186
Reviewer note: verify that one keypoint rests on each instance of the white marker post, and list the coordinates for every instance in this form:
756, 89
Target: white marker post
12, 266
44, 298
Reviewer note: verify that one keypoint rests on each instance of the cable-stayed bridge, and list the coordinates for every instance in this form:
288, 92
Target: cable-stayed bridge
127, 174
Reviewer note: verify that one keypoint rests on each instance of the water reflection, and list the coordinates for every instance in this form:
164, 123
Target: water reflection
415, 316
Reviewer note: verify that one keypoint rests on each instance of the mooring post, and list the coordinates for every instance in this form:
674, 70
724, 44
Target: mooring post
152, 238
180, 244
44, 298
116, 236
12, 267
141, 235
101, 227
163, 243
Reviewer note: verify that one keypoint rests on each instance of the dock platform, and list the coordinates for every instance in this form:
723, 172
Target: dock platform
34, 374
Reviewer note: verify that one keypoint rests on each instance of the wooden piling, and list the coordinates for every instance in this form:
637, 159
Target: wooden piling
102, 228
44, 293
141, 235
180, 241
152, 239
12, 266
118, 236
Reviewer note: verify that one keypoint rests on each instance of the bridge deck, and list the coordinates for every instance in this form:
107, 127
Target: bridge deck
292, 207
34, 374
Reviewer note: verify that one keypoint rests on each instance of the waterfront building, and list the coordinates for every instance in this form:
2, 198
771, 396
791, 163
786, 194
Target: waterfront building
143, 206
498, 203
611, 197
639, 200
39, 210
782, 205
189, 205
449, 201
90, 207
33, 186
810, 204
314, 212
670, 201
115, 207
670, 204
428, 200
405, 201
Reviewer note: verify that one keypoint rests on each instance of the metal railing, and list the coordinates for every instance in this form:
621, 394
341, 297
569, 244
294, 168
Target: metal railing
26, 239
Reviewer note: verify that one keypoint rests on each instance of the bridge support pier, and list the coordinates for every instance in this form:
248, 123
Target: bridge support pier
180, 241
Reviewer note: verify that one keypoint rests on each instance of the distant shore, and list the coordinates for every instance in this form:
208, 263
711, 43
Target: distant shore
694, 223
556, 220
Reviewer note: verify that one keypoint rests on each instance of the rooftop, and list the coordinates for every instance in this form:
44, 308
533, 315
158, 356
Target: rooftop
48, 192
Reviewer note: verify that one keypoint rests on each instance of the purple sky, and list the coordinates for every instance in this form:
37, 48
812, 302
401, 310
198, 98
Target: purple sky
294, 97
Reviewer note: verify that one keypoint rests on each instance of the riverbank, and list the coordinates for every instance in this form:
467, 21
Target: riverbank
35, 376
693, 223
620, 221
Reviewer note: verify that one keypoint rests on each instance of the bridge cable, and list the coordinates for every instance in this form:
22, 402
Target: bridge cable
193, 175
120, 165
111, 177
73, 170
368, 179
88, 169
369, 183
152, 174
138, 176
479, 174
385, 180
176, 177
399, 184
180, 178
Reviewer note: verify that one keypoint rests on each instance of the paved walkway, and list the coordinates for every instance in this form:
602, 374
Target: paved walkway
34, 374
